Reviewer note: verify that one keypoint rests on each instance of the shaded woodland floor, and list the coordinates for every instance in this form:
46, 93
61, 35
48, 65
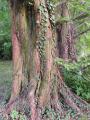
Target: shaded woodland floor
5, 83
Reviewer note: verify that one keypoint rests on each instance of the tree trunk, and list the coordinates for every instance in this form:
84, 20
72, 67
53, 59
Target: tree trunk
65, 31
67, 51
33, 55
37, 79
17, 57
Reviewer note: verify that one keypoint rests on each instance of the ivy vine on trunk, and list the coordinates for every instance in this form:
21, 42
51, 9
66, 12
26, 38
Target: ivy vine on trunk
37, 80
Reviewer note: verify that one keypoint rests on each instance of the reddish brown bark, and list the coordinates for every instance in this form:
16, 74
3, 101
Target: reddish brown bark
40, 65
65, 31
44, 84
17, 61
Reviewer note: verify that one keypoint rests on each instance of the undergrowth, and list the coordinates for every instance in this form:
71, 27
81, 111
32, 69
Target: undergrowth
77, 75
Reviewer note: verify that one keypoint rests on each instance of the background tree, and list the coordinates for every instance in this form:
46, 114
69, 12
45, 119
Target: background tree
66, 32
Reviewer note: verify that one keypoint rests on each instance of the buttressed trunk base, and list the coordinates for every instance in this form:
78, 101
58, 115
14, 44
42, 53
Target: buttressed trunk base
38, 86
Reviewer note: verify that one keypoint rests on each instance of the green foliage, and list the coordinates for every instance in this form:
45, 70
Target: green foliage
55, 1
5, 50
52, 114
80, 5
51, 8
16, 115
5, 31
77, 75
63, 19
83, 46
43, 25
5, 79
83, 118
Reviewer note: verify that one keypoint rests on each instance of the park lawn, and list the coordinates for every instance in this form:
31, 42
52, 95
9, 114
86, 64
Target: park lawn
5, 72
5, 79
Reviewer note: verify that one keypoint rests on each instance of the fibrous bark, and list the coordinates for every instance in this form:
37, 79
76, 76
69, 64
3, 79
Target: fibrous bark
38, 81
66, 33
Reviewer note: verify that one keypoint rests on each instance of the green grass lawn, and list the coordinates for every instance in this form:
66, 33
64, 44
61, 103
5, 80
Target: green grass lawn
5, 79
5, 72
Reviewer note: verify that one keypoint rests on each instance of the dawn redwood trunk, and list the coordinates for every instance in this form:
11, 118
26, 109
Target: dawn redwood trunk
36, 77
17, 58
67, 50
66, 32
66, 46
34, 51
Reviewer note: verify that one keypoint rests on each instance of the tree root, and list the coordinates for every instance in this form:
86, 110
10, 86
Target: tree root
80, 106
59, 106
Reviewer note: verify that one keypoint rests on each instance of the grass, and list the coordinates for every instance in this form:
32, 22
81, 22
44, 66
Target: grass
5, 79
5, 72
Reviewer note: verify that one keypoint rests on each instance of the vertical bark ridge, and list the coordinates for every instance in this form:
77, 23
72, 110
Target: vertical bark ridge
45, 51
17, 59
37, 48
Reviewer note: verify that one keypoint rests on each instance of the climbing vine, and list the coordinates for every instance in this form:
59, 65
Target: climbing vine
51, 10
47, 12
29, 2
43, 28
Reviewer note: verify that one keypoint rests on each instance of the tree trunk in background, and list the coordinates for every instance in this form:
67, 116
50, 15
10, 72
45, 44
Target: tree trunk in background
67, 51
37, 80
66, 33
